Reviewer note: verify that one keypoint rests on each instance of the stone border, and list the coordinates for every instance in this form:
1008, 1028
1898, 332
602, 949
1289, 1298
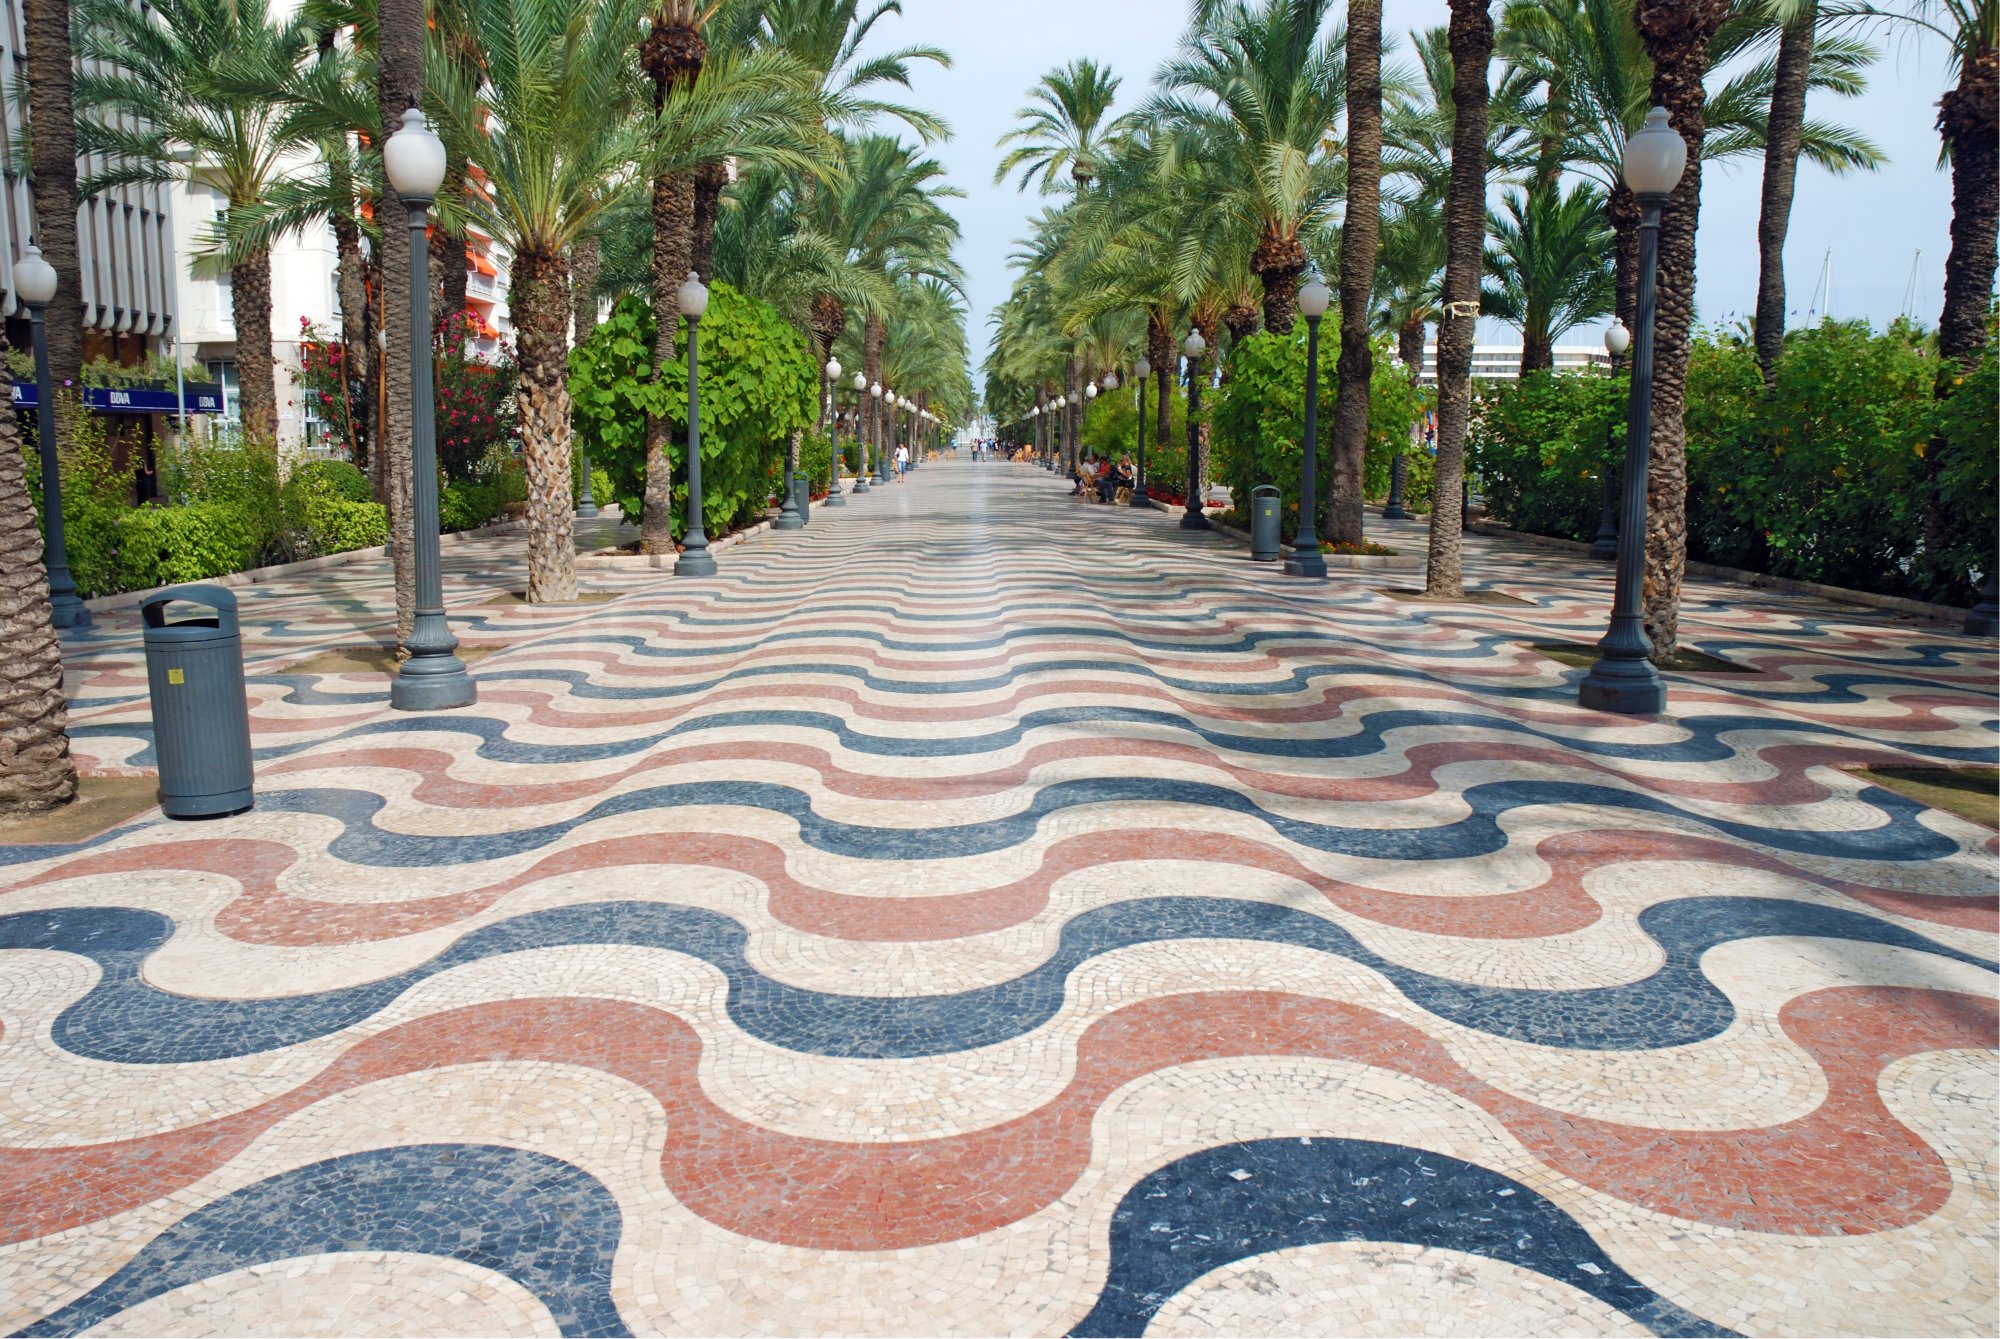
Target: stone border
601, 562
1940, 613
1335, 562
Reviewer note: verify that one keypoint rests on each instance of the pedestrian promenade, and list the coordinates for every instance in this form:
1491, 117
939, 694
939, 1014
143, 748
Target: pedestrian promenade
980, 913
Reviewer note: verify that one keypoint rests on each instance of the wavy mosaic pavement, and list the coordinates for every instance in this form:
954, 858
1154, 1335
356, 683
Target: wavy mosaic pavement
978, 913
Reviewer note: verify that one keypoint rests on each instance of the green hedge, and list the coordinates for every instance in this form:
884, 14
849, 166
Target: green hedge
816, 463
1259, 418
759, 384
164, 546
1823, 478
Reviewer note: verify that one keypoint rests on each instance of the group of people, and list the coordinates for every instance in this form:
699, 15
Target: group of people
1103, 478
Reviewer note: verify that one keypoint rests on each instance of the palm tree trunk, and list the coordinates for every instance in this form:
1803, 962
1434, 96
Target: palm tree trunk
1278, 259
448, 251
586, 262
1160, 352
539, 300
52, 177
708, 184
256, 369
1676, 34
1781, 171
1968, 118
401, 29
1538, 352
673, 240
351, 275
36, 771
1072, 411
1471, 40
1621, 208
1360, 236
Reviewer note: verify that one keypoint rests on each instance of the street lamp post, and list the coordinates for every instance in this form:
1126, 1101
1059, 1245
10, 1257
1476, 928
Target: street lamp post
433, 678
1194, 346
1306, 560
1399, 464
875, 426
861, 422
833, 493
1142, 372
695, 559
1623, 679
35, 284
1605, 547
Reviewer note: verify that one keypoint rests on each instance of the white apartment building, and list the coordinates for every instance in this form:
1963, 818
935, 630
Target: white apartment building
1502, 362
137, 249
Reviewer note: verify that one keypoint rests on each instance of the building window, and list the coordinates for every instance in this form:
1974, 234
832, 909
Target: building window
222, 371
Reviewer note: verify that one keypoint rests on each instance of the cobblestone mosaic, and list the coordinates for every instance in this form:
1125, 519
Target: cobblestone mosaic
978, 913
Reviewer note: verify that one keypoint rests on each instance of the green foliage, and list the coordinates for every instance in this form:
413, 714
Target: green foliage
344, 480
1542, 445
816, 463
1259, 417
759, 385
163, 546
94, 496
485, 494
1965, 421
1822, 478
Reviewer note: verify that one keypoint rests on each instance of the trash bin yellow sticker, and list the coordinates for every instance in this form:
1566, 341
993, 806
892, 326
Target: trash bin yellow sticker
174, 676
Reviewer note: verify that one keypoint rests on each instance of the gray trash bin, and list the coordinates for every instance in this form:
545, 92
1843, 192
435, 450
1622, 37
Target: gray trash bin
201, 714
1264, 523
802, 498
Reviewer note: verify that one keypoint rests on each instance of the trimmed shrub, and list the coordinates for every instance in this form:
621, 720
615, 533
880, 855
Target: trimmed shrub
345, 481
165, 546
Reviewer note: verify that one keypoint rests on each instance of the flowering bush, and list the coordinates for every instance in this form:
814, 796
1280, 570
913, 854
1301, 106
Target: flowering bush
474, 401
331, 387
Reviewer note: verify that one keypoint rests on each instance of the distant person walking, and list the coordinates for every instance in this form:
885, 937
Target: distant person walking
902, 460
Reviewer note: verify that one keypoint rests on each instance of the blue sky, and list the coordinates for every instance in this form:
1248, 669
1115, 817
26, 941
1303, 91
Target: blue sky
1873, 224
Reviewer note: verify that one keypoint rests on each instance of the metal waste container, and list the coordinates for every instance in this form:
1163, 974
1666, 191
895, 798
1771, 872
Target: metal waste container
1264, 523
201, 714
802, 498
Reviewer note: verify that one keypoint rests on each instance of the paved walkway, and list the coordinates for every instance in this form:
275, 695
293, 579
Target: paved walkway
980, 913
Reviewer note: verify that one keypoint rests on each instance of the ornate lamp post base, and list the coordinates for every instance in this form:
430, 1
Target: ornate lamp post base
1304, 563
432, 679
1984, 618
1629, 686
1394, 510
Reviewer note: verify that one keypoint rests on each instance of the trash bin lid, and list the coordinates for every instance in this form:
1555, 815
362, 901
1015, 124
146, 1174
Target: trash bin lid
220, 627
1264, 490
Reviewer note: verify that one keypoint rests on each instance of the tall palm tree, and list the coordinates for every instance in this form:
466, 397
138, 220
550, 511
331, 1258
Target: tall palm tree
1360, 238
1252, 93
1471, 38
1062, 128
1677, 34
1549, 258
400, 36
1799, 20
52, 171
36, 771
178, 92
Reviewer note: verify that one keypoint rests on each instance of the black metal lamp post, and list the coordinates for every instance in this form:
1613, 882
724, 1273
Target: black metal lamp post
1142, 372
695, 559
1623, 679
877, 421
833, 493
788, 504
433, 678
1399, 464
35, 284
861, 422
1617, 339
1983, 619
1194, 346
1306, 560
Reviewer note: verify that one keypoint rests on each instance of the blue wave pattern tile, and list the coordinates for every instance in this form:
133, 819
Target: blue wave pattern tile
125, 1019
1227, 1204
456, 1200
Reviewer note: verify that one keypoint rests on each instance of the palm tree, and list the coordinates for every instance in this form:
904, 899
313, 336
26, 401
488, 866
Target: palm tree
1677, 34
36, 771
1549, 255
1252, 94
52, 173
1471, 38
399, 76
1062, 127
1360, 237
184, 97
1799, 20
